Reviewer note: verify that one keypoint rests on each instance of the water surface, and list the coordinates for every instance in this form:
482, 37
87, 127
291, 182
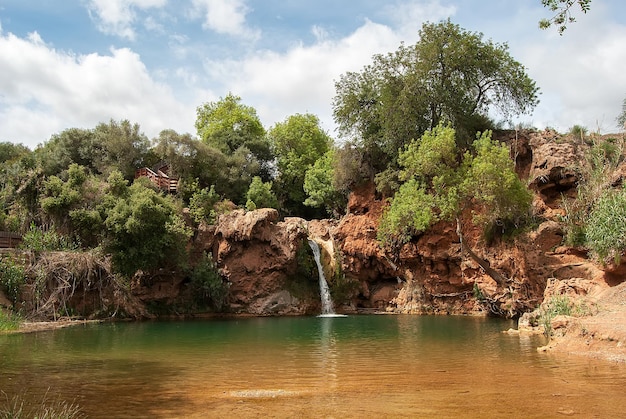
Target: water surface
352, 367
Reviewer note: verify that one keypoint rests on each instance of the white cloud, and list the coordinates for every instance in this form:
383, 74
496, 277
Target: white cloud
225, 17
580, 74
408, 16
116, 17
303, 78
44, 91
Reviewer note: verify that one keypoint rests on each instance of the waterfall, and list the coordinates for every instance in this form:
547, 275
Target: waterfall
327, 302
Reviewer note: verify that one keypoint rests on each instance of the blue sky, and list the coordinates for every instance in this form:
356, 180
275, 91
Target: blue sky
74, 63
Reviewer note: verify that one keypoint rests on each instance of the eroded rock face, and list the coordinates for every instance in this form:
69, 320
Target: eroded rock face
433, 274
256, 255
552, 172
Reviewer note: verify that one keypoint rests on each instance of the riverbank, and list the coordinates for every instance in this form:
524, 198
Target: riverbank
40, 326
599, 335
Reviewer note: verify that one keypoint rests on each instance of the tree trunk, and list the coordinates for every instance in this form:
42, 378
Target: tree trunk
499, 278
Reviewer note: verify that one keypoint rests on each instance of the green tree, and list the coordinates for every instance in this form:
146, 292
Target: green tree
72, 202
492, 182
73, 145
440, 183
449, 74
124, 147
193, 161
260, 195
229, 125
411, 211
144, 229
17, 171
298, 143
320, 186
202, 204
563, 13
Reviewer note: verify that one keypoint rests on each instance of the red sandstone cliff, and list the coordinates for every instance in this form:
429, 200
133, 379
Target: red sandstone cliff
260, 257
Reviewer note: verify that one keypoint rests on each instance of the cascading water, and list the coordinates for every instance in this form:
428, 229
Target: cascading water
327, 302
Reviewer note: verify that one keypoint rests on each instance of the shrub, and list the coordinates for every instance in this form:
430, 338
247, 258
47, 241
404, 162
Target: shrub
12, 278
202, 205
596, 172
557, 305
208, 285
9, 321
606, 228
38, 240
260, 195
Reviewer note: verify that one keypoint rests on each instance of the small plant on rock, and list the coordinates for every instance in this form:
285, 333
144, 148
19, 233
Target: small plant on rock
557, 305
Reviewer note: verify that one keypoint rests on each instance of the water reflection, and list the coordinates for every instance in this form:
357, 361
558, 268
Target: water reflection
359, 366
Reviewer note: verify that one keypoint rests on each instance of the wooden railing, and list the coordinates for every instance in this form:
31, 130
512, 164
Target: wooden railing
160, 179
9, 239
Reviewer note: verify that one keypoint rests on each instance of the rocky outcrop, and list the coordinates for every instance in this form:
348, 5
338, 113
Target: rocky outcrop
256, 254
553, 172
435, 274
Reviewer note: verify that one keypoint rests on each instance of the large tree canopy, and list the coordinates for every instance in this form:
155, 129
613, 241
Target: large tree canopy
298, 143
449, 74
229, 125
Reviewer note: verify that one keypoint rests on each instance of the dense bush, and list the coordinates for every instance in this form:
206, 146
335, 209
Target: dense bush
144, 230
208, 286
12, 277
440, 183
606, 228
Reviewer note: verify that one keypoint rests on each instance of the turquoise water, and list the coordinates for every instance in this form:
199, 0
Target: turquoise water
357, 366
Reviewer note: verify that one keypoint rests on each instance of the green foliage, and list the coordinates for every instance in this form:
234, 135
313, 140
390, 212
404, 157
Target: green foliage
74, 205
319, 185
492, 181
59, 197
595, 179
410, 213
208, 286
8, 321
449, 74
440, 184
202, 205
39, 240
260, 195
71, 146
144, 230
557, 305
351, 168
579, 132
298, 143
606, 228
563, 15
109, 146
124, 147
229, 125
435, 153
195, 163
12, 278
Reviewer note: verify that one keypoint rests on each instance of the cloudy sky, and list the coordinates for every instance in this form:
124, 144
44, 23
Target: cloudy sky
75, 63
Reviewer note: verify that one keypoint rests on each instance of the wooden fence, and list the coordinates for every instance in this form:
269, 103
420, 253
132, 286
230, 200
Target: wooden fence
9, 239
